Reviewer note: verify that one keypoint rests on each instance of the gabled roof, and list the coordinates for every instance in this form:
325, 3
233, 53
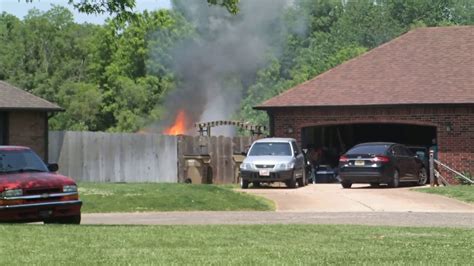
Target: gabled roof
423, 66
13, 98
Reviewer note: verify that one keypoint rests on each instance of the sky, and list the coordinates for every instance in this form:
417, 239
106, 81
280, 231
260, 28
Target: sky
20, 8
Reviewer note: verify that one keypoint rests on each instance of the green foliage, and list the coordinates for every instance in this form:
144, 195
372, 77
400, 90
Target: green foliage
462, 180
108, 78
81, 102
123, 9
115, 77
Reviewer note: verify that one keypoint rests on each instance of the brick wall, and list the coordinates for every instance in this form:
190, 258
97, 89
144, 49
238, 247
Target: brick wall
28, 129
456, 147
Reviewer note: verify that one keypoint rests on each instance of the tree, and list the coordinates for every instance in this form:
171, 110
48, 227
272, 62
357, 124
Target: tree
123, 9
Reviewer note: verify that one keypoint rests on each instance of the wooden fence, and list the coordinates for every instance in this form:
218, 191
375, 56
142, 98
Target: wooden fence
114, 157
221, 151
117, 157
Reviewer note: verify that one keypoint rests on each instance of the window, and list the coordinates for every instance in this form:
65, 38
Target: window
270, 148
369, 149
295, 147
400, 151
20, 160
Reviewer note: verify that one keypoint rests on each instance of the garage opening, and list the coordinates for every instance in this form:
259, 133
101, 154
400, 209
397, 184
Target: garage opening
337, 139
3, 128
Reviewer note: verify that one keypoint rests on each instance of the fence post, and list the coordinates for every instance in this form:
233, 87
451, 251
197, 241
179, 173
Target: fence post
432, 177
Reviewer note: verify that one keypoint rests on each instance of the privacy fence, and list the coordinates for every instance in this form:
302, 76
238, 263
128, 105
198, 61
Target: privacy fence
118, 157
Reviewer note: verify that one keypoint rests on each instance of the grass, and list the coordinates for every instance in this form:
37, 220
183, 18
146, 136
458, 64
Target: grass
234, 245
461, 192
102, 198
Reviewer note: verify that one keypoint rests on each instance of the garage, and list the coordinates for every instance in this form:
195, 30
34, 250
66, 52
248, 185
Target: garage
412, 90
336, 139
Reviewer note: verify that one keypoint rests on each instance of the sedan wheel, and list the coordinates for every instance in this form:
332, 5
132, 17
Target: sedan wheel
374, 184
422, 177
395, 181
346, 184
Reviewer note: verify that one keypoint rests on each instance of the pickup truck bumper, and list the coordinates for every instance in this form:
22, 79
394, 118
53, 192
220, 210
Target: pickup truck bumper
35, 212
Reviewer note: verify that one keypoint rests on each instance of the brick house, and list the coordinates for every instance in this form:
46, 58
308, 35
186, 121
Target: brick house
413, 89
24, 119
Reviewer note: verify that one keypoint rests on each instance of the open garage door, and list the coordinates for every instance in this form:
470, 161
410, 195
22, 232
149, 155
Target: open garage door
3, 128
337, 139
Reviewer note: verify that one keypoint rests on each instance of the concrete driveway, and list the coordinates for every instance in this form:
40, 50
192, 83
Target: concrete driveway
321, 204
360, 198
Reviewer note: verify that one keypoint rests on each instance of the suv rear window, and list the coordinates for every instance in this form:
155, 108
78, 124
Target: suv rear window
270, 148
369, 149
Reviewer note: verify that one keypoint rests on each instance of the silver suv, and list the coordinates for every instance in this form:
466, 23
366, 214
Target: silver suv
273, 160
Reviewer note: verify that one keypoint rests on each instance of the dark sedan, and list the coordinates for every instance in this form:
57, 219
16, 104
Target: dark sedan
380, 162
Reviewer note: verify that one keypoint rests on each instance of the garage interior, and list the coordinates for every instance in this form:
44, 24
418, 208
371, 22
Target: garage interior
3, 128
337, 139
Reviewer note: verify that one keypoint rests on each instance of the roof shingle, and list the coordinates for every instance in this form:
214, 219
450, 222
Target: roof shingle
13, 98
423, 66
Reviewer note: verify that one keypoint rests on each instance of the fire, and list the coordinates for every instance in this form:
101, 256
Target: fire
179, 126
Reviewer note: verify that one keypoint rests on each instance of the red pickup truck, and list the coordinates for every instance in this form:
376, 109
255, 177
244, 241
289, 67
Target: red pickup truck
31, 191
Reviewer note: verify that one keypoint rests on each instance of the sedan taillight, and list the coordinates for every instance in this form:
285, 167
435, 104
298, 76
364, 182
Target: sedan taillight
382, 159
343, 159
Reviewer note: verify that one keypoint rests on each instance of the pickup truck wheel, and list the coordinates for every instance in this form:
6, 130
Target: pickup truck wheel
244, 183
75, 219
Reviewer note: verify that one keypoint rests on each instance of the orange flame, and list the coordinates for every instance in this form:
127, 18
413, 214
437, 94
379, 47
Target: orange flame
179, 126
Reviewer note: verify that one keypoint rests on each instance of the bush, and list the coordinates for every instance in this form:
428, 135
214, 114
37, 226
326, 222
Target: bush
462, 180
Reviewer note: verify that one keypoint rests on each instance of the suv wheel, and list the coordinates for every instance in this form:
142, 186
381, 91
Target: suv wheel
423, 177
244, 183
395, 180
346, 184
301, 181
292, 182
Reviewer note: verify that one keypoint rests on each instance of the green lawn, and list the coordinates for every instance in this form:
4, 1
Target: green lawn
461, 192
234, 245
100, 197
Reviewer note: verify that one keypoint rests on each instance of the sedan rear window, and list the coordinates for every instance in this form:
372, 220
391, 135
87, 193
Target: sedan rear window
20, 161
369, 149
270, 148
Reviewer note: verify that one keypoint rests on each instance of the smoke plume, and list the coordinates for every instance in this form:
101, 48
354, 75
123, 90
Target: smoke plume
215, 69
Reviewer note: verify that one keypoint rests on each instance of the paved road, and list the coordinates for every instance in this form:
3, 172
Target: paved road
321, 204
465, 220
